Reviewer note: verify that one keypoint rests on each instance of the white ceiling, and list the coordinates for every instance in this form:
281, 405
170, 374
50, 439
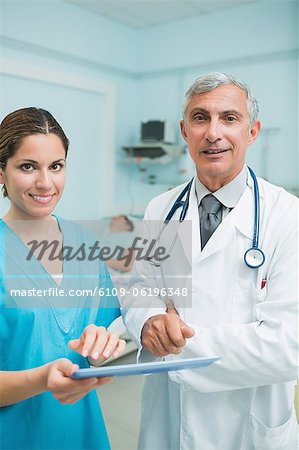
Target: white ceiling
147, 13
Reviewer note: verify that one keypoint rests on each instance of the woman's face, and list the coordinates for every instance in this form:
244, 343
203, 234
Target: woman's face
35, 177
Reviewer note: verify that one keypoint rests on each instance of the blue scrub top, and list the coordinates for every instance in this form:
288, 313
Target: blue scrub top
35, 331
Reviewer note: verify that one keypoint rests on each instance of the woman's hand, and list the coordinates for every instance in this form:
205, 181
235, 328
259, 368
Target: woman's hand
97, 344
16, 386
63, 388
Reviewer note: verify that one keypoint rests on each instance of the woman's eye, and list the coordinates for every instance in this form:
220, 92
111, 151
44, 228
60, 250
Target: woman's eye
56, 167
27, 167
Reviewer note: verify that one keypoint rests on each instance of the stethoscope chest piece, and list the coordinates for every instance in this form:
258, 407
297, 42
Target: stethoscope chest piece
254, 258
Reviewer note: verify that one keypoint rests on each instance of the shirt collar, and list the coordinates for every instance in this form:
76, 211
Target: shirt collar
229, 194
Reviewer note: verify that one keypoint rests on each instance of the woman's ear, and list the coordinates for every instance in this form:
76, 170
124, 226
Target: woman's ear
2, 181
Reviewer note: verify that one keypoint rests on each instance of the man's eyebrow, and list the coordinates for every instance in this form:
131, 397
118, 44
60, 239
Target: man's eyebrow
204, 111
200, 110
232, 111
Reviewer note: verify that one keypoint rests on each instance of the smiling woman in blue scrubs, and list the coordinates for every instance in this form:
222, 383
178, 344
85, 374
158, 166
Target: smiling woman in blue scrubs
45, 338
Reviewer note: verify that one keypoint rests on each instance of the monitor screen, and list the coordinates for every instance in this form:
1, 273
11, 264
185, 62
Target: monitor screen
153, 130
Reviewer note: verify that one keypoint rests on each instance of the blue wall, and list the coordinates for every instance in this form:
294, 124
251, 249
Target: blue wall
75, 42
257, 43
150, 70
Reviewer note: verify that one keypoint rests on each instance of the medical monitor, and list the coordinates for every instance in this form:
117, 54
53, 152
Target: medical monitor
153, 130
157, 131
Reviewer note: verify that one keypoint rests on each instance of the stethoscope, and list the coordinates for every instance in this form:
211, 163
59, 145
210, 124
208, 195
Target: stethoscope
254, 257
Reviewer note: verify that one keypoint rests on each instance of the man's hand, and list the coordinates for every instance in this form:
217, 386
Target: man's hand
165, 333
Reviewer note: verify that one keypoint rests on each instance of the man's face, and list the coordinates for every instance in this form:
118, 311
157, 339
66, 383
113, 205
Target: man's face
217, 130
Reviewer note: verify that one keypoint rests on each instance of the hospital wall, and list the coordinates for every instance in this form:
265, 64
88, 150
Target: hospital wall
54, 55
257, 43
144, 74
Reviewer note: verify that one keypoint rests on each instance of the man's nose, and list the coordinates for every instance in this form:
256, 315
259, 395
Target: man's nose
213, 131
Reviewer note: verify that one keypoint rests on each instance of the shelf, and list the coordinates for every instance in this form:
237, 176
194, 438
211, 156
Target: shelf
152, 153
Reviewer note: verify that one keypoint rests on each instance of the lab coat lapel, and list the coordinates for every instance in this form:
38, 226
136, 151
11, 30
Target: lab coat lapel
222, 237
241, 218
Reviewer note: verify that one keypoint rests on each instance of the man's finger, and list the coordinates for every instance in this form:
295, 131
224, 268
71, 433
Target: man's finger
171, 310
162, 335
174, 332
188, 332
153, 336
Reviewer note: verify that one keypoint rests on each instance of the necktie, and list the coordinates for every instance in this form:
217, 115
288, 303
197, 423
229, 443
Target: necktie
211, 218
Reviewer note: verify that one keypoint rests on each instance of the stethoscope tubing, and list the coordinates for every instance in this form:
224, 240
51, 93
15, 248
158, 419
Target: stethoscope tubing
180, 203
253, 262
256, 227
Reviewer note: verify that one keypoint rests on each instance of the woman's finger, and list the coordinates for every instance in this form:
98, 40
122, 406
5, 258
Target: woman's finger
119, 349
65, 385
74, 344
89, 337
110, 345
104, 380
72, 398
100, 344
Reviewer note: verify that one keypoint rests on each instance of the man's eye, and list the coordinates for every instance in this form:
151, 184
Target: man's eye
27, 167
199, 117
231, 118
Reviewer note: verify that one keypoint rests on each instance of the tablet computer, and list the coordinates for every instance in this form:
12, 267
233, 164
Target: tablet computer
144, 368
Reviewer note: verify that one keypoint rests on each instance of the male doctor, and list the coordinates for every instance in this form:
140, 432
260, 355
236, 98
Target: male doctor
247, 316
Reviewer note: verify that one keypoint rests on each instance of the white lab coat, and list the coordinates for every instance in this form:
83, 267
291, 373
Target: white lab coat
245, 400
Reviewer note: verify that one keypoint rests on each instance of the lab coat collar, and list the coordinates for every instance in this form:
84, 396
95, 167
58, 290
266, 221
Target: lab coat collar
229, 194
223, 235
240, 218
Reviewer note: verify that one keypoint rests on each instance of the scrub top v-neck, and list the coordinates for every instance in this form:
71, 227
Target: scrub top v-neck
36, 331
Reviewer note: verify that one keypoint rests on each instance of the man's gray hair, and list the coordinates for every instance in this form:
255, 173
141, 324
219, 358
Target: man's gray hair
211, 81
